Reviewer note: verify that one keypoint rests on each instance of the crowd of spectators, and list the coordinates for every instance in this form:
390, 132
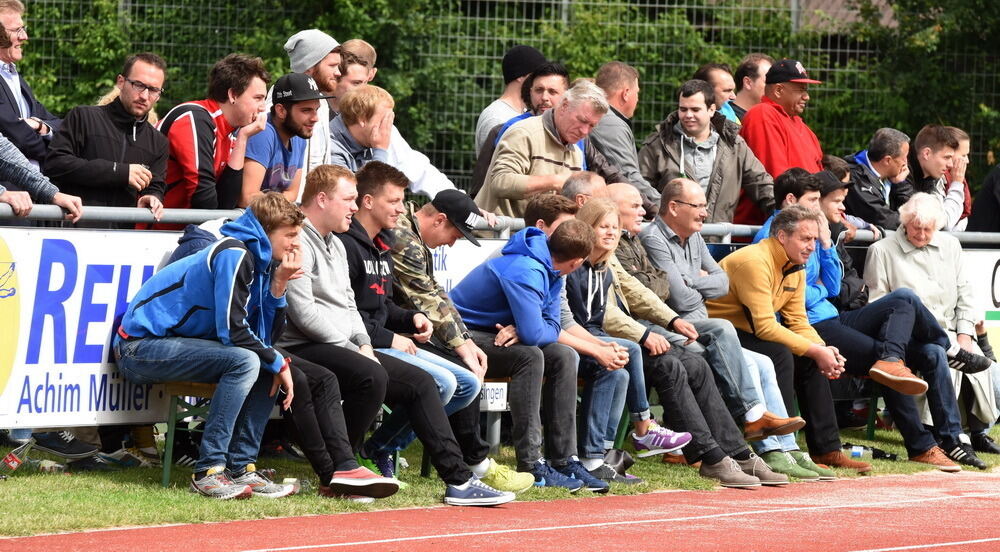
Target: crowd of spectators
324, 289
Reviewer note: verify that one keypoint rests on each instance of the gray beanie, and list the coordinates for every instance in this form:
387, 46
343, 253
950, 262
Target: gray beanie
307, 48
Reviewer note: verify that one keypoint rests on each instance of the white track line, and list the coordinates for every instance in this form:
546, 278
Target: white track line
628, 522
936, 545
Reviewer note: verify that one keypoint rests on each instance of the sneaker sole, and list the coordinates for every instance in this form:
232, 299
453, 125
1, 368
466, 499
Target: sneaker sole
478, 501
654, 452
286, 492
63, 454
906, 386
245, 493
507, 489
541, 484
375, 488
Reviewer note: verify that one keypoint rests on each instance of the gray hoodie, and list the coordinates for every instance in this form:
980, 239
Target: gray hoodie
321, 306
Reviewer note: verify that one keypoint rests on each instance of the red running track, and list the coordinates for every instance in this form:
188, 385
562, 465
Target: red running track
928, 511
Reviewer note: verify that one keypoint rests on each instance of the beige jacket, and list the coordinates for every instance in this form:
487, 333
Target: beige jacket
640, 302
531, 147
936, 273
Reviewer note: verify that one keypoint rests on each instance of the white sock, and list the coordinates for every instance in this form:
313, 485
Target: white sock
754, 413
953, 350
481, 468
592, 463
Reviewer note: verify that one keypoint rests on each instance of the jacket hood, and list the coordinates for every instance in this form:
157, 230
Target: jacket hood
339, 132
248, 230
531, 242
727, 129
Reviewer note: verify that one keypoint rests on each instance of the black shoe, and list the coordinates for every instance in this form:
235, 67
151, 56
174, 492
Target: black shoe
185, 450
982, 442
969, 363
604, 472
963, 454
849, 420
64, 444
91, 463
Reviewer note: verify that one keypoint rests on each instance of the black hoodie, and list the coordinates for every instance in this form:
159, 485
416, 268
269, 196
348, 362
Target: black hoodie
370, 264
90, 155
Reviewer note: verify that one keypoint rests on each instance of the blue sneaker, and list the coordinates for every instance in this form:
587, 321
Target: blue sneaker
575, 470
475, 493
546, 476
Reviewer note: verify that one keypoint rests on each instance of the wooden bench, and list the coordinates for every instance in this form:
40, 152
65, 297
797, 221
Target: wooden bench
187, 399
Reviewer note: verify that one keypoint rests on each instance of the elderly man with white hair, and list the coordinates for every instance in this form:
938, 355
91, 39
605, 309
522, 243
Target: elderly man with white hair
920, 258
537, 155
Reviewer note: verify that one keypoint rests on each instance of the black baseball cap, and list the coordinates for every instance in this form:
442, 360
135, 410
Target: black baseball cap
297, 87
460, 210
828, 182
789, 70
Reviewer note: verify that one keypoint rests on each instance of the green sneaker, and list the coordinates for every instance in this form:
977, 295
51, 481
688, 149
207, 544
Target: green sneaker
502, 478
803, 460
782, 462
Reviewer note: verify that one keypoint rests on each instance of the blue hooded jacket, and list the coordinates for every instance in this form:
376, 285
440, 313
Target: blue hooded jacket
222, 292
519, 288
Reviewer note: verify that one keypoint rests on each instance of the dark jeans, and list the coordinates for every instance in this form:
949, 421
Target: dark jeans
798, 378
859, 334
691, 402
319, 418
526, 366
361, 380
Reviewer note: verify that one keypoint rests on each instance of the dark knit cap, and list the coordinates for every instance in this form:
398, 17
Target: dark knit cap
519, 61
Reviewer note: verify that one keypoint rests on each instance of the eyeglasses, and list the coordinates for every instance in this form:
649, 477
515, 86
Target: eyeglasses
141, 87
23, 29
698, 206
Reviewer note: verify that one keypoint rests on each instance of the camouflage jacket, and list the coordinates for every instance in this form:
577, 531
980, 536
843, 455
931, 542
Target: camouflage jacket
413, 282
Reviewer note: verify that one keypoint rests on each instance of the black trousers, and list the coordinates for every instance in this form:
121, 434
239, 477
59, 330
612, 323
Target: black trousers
405, 385
692, 402
464, 423
798, 378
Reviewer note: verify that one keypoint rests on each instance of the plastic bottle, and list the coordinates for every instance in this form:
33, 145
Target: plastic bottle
857, 452
861, 452
45, 466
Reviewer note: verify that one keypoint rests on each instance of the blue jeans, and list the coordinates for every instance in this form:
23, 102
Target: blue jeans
761, 370
240, 406
457, 386
605, 395
602, 402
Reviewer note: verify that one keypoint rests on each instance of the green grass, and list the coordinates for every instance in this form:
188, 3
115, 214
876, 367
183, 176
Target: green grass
36, 503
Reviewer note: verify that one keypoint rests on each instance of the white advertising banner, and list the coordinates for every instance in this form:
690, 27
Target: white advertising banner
62, 293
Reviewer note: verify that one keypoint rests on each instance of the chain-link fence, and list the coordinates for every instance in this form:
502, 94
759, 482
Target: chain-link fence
441, 58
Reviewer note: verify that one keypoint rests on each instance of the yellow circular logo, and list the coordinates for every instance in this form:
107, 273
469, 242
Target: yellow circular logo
10, 312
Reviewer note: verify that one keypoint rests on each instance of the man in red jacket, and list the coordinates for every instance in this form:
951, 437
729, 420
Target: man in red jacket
775, 131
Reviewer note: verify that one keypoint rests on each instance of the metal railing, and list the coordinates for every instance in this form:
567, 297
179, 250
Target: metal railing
505, 225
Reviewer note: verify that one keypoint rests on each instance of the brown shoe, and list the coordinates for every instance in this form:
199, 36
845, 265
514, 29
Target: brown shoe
936, 457
837, 459
770, 424
896, 376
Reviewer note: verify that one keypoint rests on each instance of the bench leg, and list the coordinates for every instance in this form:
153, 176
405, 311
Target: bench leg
168, 451
493, 431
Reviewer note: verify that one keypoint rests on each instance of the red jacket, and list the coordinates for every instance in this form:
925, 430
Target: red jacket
198, 176
780, 142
